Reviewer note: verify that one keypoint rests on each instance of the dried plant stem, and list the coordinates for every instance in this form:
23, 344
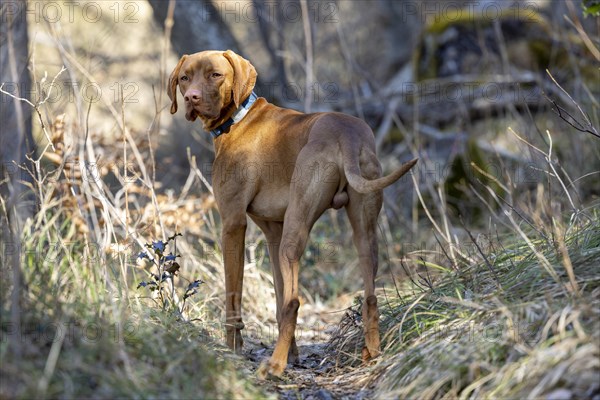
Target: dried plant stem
587, 126
541, 258
36, 107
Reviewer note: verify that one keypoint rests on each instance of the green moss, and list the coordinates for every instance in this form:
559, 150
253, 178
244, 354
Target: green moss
426, 59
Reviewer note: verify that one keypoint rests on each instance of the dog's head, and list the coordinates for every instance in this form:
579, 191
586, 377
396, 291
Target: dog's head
213, 83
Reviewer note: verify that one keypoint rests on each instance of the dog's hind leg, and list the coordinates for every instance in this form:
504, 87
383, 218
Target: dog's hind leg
363, 210
310, 196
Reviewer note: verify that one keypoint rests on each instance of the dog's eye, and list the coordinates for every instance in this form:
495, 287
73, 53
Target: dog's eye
184, 78
216, 75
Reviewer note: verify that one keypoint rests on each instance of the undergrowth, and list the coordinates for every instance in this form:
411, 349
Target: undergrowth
510, 329
516, 317
82, 334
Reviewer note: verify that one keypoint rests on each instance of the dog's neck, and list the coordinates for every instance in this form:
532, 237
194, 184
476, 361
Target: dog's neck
230, 116
208, 124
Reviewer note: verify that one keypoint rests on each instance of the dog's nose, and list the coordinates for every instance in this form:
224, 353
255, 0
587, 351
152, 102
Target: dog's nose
192, 96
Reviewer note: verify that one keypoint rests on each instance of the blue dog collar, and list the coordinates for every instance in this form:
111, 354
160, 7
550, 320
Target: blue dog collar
236, 117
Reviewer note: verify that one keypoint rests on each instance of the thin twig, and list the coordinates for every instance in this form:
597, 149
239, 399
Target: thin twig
482, 253
551, 164
541, 258
197, 171
451, 259
36, 107
429, 216
587, 127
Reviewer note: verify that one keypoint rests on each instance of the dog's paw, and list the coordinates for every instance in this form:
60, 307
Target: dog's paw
293, 356
269, 369
368, 355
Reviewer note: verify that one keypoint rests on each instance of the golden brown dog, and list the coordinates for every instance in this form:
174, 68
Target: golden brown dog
282, 168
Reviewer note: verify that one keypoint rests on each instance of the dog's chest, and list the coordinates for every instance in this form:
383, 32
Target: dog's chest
269, 205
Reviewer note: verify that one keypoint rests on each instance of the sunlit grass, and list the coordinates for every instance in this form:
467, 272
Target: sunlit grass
83, 334
515, 333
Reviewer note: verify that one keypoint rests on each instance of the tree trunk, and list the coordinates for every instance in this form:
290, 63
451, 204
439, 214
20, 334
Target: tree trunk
197, 26
271, 33
16, 141
16, 138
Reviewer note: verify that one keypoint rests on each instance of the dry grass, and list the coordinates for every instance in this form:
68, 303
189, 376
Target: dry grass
507, 307
83, 329
520, 320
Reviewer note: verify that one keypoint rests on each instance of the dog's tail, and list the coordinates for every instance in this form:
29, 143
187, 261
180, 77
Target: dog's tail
363, 185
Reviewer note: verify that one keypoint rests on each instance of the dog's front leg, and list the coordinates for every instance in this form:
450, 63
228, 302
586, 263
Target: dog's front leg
234, 231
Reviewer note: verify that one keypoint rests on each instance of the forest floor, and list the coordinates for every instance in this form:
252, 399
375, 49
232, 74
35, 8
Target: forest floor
314, 376
511, 311
318, 373
504, 329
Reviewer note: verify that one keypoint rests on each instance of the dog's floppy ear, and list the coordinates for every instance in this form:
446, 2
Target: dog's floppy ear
244, 76
172, 85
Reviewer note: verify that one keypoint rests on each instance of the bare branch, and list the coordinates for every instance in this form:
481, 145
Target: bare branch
36, 107
563, 114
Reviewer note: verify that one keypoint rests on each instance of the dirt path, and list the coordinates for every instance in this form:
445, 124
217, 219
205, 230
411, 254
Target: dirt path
317, 375
314, 376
